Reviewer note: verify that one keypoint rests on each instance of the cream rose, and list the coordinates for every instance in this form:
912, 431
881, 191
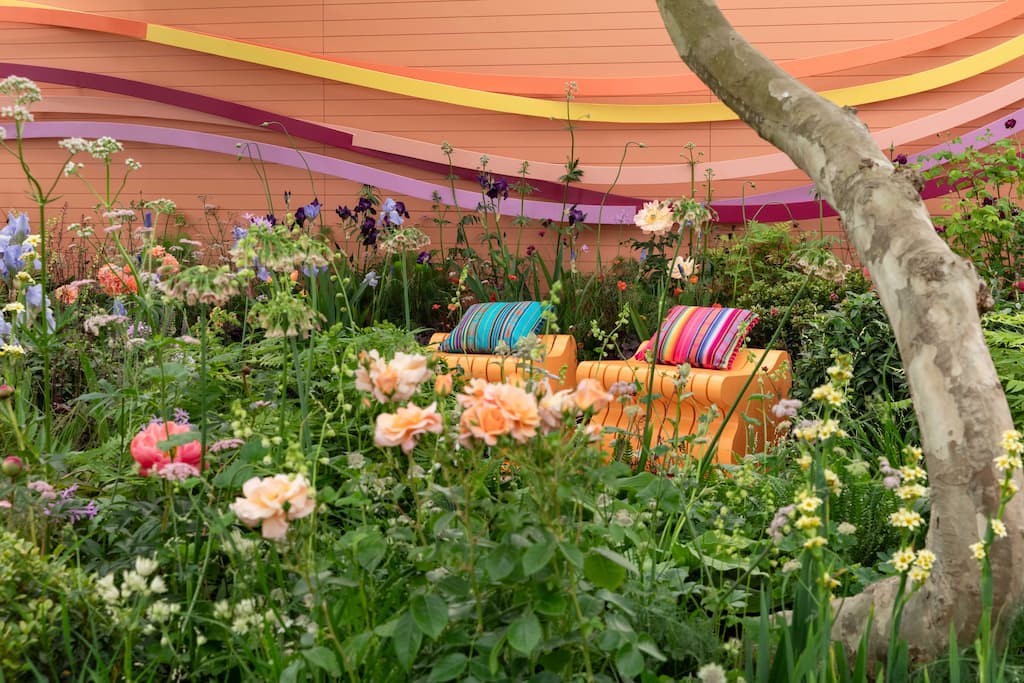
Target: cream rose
273, 502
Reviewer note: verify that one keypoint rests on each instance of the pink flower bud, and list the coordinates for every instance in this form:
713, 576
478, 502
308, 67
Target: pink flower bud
6, 391
13, 466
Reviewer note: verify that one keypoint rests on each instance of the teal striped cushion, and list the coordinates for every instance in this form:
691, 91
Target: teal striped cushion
484, 325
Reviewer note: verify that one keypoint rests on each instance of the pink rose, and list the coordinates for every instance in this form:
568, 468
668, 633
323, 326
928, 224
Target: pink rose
144, 448
273, 502
404, 426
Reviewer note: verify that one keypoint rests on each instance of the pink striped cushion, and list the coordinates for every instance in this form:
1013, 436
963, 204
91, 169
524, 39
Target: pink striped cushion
703, 337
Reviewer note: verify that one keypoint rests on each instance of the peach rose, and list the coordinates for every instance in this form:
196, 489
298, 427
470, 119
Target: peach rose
403, 427
555, 409
485, 421
492, 410
150, 458
472, 392
521, 407
443, 384
273, 502
591, 395
116, 282
168, 266
395, 381
67, 294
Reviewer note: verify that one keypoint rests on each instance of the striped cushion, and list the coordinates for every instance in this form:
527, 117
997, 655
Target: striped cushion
484, 325
703, 337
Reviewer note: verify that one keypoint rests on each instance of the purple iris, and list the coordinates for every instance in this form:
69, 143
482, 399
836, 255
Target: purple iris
307, 212
576, 216
390, 214
901, 160
313, 271
344, 213
498, 187
239, 233
368, 231
424, 257
1010, 124
365, 206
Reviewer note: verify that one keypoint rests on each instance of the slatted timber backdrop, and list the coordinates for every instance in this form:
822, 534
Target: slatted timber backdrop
403, 77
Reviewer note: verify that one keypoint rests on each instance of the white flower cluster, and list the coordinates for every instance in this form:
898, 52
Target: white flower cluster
140, 582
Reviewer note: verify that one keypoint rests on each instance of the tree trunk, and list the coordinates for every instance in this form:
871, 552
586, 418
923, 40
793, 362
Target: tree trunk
932, 299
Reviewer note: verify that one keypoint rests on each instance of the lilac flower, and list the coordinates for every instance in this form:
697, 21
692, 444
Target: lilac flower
576, 216
181, 416
780, 521
44, 489
178, 471
226, 444
239, 233
891, 476
89, 511
786, 407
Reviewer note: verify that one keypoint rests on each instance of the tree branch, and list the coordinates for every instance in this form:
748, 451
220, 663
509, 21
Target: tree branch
931, 298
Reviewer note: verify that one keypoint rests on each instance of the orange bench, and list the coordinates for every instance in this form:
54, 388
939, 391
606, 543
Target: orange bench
675, 410
561, 355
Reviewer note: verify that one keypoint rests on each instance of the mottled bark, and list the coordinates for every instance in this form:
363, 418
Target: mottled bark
931, 297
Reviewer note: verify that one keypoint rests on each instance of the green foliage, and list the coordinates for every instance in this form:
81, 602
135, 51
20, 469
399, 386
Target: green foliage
48, 612
1004, 333
982, 219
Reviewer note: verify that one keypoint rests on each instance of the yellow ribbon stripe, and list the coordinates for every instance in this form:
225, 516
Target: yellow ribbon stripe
312, 65
526, 106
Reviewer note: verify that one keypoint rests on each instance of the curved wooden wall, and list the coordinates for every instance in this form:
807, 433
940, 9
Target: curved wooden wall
368, 92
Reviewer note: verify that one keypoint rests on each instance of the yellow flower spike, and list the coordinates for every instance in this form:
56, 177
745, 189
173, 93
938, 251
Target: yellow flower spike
979, 550
918, 575
902, 559
913, 454
998, 528
925, 559
906, 519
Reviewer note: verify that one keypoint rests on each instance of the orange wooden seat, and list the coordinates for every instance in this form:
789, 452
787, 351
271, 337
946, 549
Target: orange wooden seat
561, 355
675, 409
